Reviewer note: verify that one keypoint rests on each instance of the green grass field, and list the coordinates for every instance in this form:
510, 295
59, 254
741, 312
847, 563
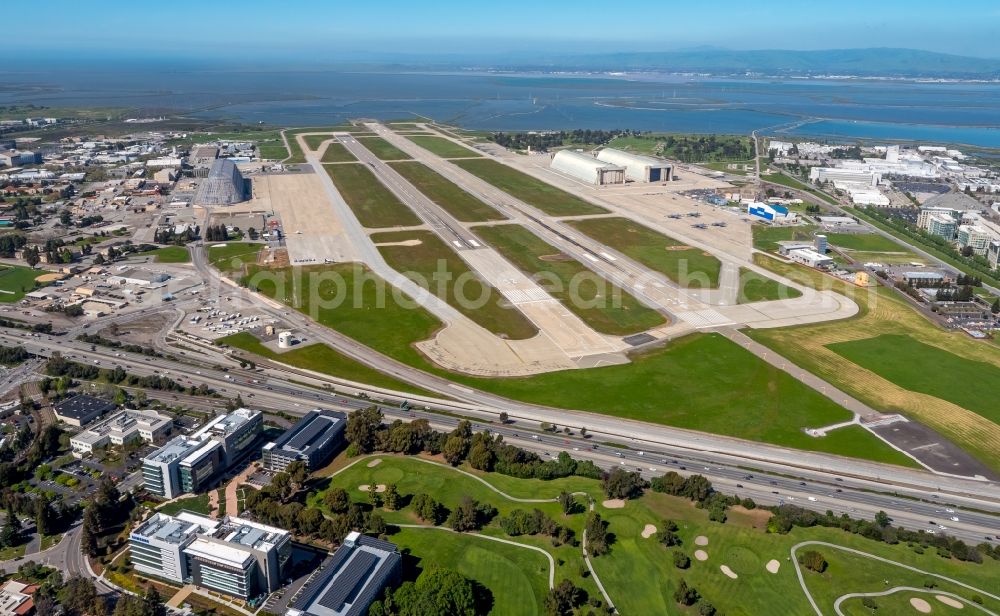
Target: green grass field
757, 288
315, 141
351, 299
171, 254
337, 153
446, 193
383, 149
766, 237
724, 167
864, 242
320, 358
369, 199
910, 364
547, 198
272, 150
602, 306
445, 148
687, 266
436, 267
232, 256
790, 182
15, 281
196, 504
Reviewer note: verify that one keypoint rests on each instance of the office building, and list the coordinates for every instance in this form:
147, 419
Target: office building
638, 168
925, 214
361, 569
854, 176
977, 237
312, 440
993, 254
943, 226
81, 409
161, 469
121, 428
233, 555
587, 168
234, 431
17, 598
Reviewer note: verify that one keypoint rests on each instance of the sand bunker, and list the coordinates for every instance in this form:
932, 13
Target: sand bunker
614, 503
728, 572
949, 601
920, 605
701, 540
375, 462
365, 487
773, 566
50, 277
701, 554
649, 531
401, 243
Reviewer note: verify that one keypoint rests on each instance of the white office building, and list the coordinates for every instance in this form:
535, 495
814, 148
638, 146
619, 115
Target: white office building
121, 428
835, 174
157, 546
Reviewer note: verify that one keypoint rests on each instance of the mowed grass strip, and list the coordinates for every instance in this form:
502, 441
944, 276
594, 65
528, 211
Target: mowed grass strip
546, 197
864, 242
373, 203
766, 237
336, 153
171, 254
232, 256
601, 305
320, 358
446, 193
352, 300
433, 265
687, 266
15, 281
383, 149
445, 148
757, 288
315, 141
927, 369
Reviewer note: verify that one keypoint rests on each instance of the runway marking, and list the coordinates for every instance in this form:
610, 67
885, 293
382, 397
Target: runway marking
474, 243
591, 257
608, 257
457, 243
708, 317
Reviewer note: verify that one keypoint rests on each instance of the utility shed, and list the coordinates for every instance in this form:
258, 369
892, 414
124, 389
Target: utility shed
638, 168
587, 168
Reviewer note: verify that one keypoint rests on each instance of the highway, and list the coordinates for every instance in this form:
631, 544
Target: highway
858, 496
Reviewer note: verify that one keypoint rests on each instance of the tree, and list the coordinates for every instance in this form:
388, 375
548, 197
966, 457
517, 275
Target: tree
681, 560
685, 595
31, 256
567, 502
813, 561
706, 609
374, 498
504, 417
376, 524
622, 484
362, 427
337, 500
391, 497
470, 515
455, 449
427, 509
597, 534
882, 519
563, 599
152, 602
995, 308
298, 472
481, 456
438, 591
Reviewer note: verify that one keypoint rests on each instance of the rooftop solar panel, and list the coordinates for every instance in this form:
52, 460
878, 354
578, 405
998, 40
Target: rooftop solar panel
347, 586
308, 433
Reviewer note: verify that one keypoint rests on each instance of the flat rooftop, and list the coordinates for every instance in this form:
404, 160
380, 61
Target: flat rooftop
215, 552
226, 424
178, 447
82, 406
175, 529
122, 424
360, 569
312, 432
249, 534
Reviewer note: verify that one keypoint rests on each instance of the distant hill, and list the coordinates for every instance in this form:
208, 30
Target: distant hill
873, 62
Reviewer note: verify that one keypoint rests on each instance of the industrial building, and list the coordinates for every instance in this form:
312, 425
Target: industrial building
587, 168
811, 258
361, 569
235, 556
638, 168
312, 440
81, 409
121, 428
770, 212
854, 176
224, 185
186, 463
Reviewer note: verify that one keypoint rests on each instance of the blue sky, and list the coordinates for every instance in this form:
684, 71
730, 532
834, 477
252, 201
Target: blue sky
287, 28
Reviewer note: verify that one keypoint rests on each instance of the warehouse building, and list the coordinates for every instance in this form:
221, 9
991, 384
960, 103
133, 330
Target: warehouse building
638, 168
361, 569
312, 440
81, 409
810, 258
234, 556
587, 168
224, 185
124, 427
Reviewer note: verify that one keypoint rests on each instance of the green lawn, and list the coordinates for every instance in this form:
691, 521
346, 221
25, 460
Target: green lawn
273, 150
383, 149
864, 242
373, 203
196, 504
689, 267
724, 167
337, 153
320, 358
547, 198
315, 141
928, 369
446, 193
171, 254
445, 148
232, 256
15, 281
601, 305
786, 180
766, 237
757, 288
435, 266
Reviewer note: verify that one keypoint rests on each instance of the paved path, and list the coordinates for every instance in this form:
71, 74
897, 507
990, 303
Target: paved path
812, 601
891, 591
590, 567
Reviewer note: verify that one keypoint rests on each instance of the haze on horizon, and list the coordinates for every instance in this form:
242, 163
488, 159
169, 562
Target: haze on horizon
320, 32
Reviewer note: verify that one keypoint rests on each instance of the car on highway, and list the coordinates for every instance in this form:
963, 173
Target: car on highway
953, 518
739, 485
942, 527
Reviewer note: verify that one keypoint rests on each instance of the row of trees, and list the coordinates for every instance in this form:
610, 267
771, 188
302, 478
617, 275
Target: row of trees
13, 356
170, 236
59, 366
107, 510
541, 142
216, 233
117, 344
